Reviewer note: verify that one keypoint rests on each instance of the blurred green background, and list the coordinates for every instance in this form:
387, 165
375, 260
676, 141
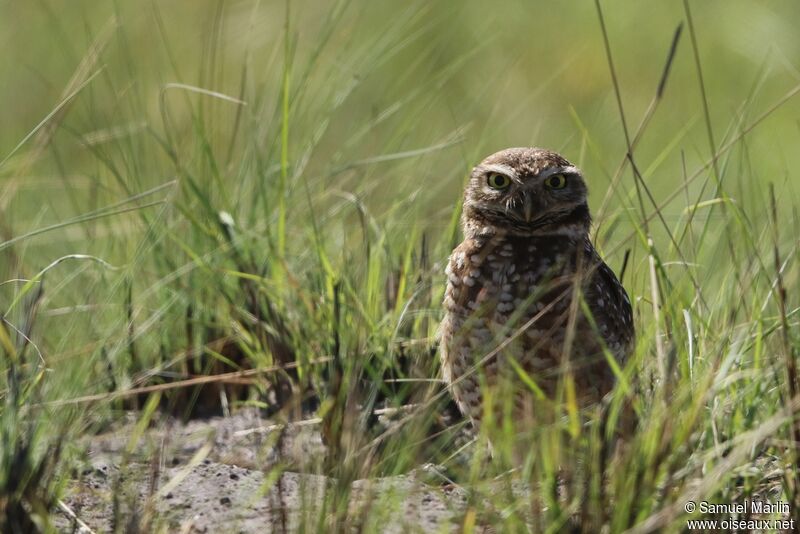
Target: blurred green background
391, 102
393, 77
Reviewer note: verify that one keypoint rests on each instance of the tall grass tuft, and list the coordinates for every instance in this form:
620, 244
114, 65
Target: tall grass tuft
257, 214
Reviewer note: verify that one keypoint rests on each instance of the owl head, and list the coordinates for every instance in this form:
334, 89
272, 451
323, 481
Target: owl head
526, 191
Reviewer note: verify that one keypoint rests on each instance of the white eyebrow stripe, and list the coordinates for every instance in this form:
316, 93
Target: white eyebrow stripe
500, 169
559, 170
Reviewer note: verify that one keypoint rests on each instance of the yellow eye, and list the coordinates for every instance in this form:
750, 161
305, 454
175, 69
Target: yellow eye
556, 181
498, 181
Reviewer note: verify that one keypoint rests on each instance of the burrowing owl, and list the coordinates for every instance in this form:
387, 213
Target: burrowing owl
511, 306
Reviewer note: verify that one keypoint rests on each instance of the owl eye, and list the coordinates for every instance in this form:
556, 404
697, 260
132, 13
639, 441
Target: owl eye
556, 181
498, 181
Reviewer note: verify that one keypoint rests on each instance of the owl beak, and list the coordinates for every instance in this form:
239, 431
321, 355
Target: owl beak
527, 208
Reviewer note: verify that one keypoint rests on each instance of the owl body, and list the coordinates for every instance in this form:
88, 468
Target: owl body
512, 313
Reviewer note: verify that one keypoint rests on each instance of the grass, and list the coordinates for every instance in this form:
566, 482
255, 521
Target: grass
257, 213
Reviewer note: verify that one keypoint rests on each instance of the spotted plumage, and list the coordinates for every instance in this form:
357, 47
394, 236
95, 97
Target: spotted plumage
511, 316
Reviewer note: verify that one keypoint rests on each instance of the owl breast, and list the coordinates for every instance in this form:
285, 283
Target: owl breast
510, 318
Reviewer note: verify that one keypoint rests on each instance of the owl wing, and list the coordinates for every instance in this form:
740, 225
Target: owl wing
611, 308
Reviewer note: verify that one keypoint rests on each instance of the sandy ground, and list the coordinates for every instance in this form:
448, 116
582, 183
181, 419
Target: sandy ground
215, 475
244, 474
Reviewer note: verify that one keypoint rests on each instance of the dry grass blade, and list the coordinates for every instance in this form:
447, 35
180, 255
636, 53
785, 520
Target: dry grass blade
620, 108
83, 528
206, 92
654, 294
790, 360
651, 109
196, 381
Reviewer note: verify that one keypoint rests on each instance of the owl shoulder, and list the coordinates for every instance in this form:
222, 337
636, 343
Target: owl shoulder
463, 258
